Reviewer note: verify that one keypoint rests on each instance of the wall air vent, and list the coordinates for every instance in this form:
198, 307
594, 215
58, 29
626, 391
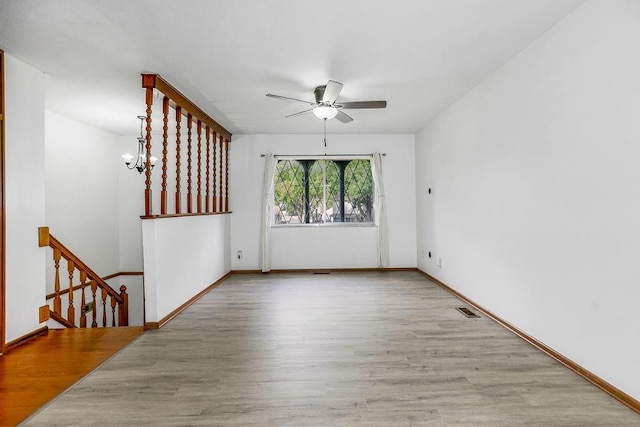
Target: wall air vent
467, 312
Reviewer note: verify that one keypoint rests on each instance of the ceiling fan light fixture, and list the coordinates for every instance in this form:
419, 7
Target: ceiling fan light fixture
325, 112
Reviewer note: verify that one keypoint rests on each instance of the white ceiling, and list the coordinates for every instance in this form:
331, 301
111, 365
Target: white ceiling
419, 55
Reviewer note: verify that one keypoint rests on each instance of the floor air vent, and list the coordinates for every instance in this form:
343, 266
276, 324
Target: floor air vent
467, 312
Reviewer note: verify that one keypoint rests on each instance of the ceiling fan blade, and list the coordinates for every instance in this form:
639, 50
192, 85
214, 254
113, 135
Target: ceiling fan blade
363, 104
299, 113
331, 92
343, 117
286, 98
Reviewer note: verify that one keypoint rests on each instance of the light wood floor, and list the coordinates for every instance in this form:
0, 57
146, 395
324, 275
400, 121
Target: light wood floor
39, 370
348, 349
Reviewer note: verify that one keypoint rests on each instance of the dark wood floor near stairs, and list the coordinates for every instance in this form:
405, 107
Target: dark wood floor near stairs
39, 370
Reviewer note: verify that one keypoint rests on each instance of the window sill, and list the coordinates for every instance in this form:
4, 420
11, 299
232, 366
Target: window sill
327, 225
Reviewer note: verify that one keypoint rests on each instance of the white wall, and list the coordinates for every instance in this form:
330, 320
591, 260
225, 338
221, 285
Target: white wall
326, 247
182, 256
93, 204
25, 196
130, 208
535, 183
82, 191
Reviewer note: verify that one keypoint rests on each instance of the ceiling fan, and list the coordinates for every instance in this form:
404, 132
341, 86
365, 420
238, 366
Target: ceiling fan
325, 106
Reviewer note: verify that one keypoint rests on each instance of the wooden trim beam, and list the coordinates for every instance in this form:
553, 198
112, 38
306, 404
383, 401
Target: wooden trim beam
584, 373
154, 81
184, 214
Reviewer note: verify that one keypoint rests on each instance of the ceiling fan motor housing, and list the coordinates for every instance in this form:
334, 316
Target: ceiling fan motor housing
319, 94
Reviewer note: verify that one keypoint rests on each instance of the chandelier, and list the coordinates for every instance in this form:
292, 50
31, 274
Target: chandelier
141, 159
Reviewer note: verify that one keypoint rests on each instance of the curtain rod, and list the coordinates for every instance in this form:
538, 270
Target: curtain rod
323, 155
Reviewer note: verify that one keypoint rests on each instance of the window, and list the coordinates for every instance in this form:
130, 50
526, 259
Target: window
316, 191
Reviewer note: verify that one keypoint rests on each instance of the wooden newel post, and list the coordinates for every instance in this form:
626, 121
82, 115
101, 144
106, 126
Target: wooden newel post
123, 309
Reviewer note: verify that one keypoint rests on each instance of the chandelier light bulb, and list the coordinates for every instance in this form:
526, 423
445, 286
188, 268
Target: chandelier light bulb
127, 158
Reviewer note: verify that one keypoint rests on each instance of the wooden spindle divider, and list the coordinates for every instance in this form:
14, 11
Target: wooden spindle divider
213, 171
216, 163
178, 128
71, 311
189, 124
57, 301
94, 289
83, 303
165, 141
104, 307
147, 172
208, 155
226, 175
113, 312
199, 180
221, 189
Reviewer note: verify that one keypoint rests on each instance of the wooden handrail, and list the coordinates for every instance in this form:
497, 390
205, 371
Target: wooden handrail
58, 318
89, 279
105, 278
154, 81
70, 256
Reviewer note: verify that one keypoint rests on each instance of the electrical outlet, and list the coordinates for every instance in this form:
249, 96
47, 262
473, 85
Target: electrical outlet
88, 307
439, 262
239, 255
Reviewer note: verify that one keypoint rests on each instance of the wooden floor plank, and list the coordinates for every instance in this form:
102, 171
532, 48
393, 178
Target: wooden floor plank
340, 349
42, 368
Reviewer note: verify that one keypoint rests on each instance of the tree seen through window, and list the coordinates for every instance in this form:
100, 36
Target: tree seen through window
308, 191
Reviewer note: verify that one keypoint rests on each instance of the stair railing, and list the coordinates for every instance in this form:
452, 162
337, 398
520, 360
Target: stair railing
114, 305
207, 179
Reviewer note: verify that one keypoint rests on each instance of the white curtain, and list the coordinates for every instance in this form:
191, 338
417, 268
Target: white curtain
267, 211
380, 210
